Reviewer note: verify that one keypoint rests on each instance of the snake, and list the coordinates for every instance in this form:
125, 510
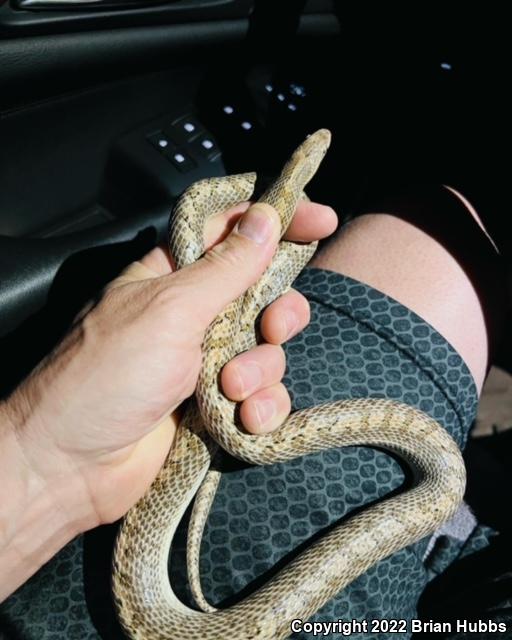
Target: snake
146, 604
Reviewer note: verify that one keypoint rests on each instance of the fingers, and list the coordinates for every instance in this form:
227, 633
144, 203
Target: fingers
253, 370
254, 379
228, 269
311, 222
265, 410
285, 317
159, 261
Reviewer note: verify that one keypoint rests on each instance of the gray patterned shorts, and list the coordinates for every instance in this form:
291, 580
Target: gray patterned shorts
360, 343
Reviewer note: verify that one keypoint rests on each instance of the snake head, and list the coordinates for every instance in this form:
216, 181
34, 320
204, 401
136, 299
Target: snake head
308, 156
317, 143
284, 193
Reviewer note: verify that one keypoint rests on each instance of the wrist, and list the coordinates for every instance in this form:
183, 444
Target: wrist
50, 470
40, 512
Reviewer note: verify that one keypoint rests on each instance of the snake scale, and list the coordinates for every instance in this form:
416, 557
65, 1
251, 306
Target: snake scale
147, 606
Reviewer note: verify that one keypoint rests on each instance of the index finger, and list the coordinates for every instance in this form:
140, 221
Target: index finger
312, 221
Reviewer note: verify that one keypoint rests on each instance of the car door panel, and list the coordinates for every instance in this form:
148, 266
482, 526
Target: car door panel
83, 191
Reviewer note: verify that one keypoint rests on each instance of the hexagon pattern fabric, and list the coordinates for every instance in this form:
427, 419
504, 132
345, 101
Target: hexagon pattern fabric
359, 343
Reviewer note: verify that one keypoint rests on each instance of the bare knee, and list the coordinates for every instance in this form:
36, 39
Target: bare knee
425, 250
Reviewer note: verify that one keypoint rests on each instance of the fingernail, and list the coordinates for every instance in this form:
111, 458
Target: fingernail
250, 377
265, 411
291, 323
256, 224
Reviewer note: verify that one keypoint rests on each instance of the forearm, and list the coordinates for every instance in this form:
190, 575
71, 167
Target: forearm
85, 435
34, 521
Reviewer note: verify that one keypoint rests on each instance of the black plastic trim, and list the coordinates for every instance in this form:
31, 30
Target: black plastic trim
70, 61
25, 282
83, 5
14, 23
33, 68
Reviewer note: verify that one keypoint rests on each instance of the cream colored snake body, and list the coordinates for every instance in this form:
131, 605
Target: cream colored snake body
147, 606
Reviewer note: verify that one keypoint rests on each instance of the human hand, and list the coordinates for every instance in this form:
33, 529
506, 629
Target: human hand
94, 422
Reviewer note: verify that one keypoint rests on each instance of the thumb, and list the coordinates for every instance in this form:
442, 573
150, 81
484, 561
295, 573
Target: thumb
232, 266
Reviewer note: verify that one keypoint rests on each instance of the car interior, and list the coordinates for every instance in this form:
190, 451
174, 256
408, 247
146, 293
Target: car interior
110, 109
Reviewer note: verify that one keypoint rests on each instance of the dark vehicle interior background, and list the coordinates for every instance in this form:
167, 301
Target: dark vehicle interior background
110, 108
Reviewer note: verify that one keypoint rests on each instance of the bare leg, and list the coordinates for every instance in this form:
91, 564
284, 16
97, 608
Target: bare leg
428, 250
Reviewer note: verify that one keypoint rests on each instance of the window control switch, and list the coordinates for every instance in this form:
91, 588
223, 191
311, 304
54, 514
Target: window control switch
205, 146
181, 160
185, 129
161, 141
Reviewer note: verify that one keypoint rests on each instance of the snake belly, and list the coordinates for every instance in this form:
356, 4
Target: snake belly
147, 607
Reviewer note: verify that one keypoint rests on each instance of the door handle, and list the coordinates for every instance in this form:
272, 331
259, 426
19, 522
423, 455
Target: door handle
67, 5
